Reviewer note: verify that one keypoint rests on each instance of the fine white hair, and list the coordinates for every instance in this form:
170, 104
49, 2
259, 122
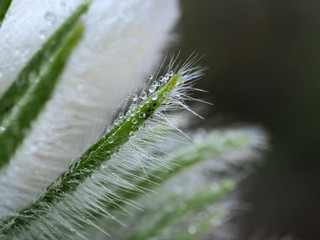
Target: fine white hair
122, 42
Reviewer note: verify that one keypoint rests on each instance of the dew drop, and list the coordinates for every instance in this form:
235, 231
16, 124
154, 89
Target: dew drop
2, 128
166, 94
152, 88
131, 133
150, 77
134, 120
156, 83
42, 35
110, 139
154, 97
50, 18
166, 77
133, 106
142, 115
171, 73
143, 95
161, 79
134, 97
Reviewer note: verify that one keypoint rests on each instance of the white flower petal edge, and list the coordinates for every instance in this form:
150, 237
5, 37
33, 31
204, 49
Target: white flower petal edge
122, 41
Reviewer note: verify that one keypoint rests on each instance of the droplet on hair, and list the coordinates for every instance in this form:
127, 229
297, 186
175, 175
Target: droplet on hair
143, 95
161, 79
154, 97
152, 88
110, 139
50, 18
134, 120
142, 115
134, 97
166, 77
42, 35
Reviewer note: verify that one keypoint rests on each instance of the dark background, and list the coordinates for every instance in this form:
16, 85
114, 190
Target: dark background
264, 68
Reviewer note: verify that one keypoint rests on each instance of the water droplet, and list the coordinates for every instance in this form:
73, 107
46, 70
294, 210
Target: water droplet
134, 97
166, 77
150, 77
42, 35
166, 94
131, 133
120, 116
110, 139
133, 106
161, 79
171, 73
134, 120
152, 88
142, 115
143, 95
156, 83
2, 128
154, 97
50, 18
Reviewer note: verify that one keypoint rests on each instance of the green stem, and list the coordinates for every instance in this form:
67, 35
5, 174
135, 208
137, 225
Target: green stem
95, 156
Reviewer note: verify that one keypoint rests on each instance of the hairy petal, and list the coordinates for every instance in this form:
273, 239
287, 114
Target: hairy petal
119, 37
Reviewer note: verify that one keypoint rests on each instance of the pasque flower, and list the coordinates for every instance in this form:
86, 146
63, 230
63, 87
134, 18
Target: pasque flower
121, 44
71, 170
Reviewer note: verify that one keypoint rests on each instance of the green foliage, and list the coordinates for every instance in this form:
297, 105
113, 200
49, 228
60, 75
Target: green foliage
183, 209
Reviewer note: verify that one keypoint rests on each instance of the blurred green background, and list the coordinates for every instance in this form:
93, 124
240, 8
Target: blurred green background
264, 68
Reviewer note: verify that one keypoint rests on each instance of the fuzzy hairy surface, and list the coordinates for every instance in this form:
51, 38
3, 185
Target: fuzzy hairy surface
109, 61
192, 182
69, 215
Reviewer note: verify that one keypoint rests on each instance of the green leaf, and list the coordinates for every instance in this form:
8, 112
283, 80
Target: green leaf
93, 158
214, 145
211, 154
4, 6
22, 102
182, 209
